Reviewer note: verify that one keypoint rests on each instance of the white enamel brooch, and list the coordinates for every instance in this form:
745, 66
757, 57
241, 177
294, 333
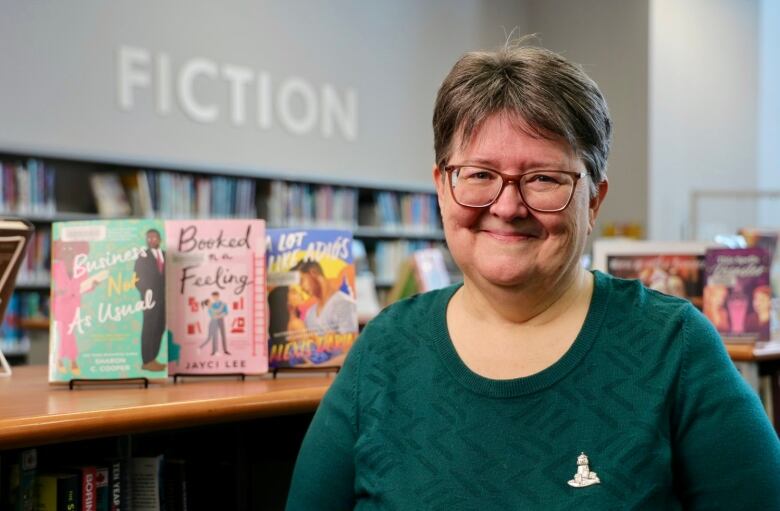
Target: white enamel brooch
584, 477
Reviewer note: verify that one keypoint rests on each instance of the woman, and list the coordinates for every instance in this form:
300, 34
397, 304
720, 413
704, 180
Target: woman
535, 384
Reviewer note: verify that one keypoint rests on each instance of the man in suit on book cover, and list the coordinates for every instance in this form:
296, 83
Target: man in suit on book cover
150, 272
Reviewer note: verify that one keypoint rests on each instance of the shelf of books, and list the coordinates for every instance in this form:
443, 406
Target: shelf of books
165, 444
390, 224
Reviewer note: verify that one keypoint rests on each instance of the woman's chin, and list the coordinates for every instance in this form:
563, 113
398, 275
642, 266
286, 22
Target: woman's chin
505, 277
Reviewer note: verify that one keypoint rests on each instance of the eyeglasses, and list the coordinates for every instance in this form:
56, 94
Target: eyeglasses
546, 191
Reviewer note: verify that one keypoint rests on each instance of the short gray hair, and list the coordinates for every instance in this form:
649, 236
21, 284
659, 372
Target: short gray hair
552, 97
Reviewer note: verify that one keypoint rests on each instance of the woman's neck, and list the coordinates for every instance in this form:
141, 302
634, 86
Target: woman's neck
533, 305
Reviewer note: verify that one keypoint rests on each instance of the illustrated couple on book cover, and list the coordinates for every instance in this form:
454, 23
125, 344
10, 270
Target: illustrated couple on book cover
311, 297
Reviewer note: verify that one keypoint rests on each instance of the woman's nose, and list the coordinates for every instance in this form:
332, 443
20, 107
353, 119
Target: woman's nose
509, 203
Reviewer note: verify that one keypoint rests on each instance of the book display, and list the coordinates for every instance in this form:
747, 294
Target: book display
390, 223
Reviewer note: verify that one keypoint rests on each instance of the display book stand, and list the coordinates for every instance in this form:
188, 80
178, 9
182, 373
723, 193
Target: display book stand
143, 381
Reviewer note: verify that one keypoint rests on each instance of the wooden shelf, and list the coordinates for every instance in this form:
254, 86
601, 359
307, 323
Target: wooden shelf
32, 412
754, 352
34, 323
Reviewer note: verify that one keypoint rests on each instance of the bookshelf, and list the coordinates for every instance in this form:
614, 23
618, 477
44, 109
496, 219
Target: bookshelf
238, 437
390, 223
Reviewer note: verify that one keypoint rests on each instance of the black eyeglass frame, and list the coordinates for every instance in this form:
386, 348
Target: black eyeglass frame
449, 169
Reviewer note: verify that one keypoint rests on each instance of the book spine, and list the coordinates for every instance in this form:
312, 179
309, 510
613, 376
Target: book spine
88, 489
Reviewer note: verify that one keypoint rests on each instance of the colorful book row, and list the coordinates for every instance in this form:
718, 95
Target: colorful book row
27, 187
293, 204
149, 298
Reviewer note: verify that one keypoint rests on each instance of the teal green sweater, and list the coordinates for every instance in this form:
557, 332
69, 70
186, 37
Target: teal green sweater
646, 391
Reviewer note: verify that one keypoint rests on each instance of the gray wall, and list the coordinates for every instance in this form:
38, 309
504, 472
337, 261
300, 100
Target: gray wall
609, 38
769, 111
60, 91
703, 114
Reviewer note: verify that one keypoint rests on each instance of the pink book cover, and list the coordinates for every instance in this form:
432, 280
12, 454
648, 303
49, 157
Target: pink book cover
216, 296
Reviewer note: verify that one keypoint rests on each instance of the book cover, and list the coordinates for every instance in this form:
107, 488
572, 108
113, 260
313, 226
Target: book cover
88, 488
311, 297
108, 300
737, 295
216, 296
430, 269
102, 489
673, 268
146, 488
120, 481
57, 491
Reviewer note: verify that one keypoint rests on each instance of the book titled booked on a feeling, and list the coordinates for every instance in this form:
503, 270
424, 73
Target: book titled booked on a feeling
108, 300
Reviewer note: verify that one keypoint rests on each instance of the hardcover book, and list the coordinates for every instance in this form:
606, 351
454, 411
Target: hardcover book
737, 295
673, 268
216, 296
108, 300
311, 297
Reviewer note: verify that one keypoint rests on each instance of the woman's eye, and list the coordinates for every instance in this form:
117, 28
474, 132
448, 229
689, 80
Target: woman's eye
476, 174
543, 179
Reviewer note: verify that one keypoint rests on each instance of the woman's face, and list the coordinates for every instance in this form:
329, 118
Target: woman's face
506, 244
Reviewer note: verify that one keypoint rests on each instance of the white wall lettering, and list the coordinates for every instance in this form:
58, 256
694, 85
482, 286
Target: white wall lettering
131, 74
191, 70
238, 77
233, 92
307, 97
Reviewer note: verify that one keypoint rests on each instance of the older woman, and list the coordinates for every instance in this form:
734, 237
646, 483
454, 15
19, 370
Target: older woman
535, 384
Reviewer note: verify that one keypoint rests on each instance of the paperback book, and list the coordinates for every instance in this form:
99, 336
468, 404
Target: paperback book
216, 296
737, 294
311, 297
673, 268
108, 300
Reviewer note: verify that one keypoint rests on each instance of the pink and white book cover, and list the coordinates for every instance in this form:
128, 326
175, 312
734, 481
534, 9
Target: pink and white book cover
216, 296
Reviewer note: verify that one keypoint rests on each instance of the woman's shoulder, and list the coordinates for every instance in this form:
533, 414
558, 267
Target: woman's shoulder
632, 295
631, 303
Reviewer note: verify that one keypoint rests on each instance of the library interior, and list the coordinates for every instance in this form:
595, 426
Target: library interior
271, 162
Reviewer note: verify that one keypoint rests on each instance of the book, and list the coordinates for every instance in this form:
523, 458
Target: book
737, 295
108, 300
120, 484
88, 488
57, 491
175, 485
216, 296
110, 197
21, 481
673, 268
147, 483
430, 269
311, 297
102, 493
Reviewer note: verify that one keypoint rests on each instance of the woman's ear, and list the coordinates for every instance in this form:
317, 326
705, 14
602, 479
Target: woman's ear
595, 203
438, 182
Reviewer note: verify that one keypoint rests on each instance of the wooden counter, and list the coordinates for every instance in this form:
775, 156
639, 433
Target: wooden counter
754, 353
34, 413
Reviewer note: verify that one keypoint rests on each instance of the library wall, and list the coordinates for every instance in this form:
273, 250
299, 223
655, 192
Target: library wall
609, 39
340, 93
703, 111
769, 113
